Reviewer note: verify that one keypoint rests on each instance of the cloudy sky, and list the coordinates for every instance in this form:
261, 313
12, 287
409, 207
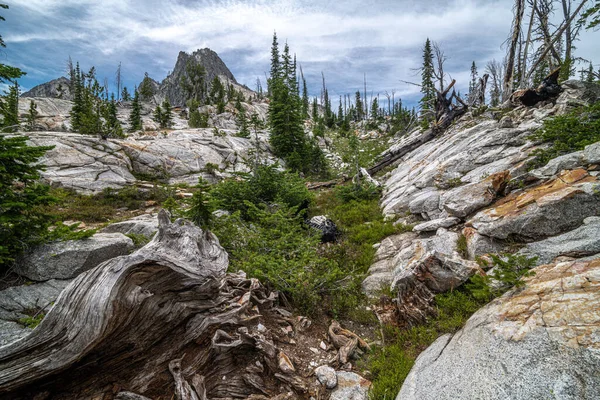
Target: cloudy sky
344, 39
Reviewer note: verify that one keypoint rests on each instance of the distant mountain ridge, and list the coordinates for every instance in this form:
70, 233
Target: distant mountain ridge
169, 88
56, 88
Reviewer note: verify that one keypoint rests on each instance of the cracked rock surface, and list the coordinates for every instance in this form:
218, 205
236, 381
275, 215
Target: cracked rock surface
534, 343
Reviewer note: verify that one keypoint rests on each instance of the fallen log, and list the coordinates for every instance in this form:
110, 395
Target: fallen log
395, 154
446, 111
166, 321
549, 88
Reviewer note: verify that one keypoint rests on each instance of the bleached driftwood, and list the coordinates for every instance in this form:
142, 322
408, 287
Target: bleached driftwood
164, 320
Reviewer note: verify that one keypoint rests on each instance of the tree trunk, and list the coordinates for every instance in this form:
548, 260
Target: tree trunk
151, 322
510, 61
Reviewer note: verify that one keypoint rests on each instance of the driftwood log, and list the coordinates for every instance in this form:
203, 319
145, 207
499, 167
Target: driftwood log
164, 322
549, 88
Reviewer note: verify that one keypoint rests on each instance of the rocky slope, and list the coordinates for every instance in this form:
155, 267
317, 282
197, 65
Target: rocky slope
468, 192
540, 342
56, 89
90, 164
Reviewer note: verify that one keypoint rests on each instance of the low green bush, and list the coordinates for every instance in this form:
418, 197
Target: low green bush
567, 133
508, 271
266, 186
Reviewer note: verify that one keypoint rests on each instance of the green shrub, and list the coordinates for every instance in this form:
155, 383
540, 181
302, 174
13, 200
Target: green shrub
567, 133
348, 193
508, 272
69, 232
139, 240
198, 119
278, 250
266, 186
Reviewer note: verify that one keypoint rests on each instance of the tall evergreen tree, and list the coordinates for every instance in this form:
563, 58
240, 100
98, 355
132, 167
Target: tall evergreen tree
9, 107
305, 102
427, 86
167, 118
360, 109
135, 117
113, 126
375, 109
31, 115
193, 82
287, 138
125, 96
473, 83
146, 91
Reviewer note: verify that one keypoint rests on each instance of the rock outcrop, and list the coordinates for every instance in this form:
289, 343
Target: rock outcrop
29, 301
65, 260
537, 342
544, 210
90, 164
57, 89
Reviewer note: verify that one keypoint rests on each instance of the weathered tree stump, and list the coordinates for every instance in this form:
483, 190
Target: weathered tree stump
549, 88
166, 320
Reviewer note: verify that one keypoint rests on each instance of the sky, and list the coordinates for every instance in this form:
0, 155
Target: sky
343, 39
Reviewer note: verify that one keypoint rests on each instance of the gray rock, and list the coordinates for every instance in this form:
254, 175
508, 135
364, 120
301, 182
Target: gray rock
478, 245
64, 260
380, 273
145, 224
426, 268
327, 376
350, 386
57, 88
21, 301
426, 204
591, 154
556, 165
435, 224
581, 242
89, 164
546, 210
537, 342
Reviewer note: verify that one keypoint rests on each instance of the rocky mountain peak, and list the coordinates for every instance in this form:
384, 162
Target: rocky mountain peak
170, 87
57, 88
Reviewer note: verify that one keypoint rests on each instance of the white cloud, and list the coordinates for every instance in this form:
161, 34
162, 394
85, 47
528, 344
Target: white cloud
382, 38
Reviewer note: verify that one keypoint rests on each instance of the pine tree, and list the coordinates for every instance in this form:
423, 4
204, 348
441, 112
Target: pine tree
135, 118
473, 82
375, 109
360, 109
315, 110
146, 91
193, 82
9, 108
590, 74
113, 126
305, 103
125, 96
288, 139
21, 221
167, 118
31, 115
427, 86
158, 116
